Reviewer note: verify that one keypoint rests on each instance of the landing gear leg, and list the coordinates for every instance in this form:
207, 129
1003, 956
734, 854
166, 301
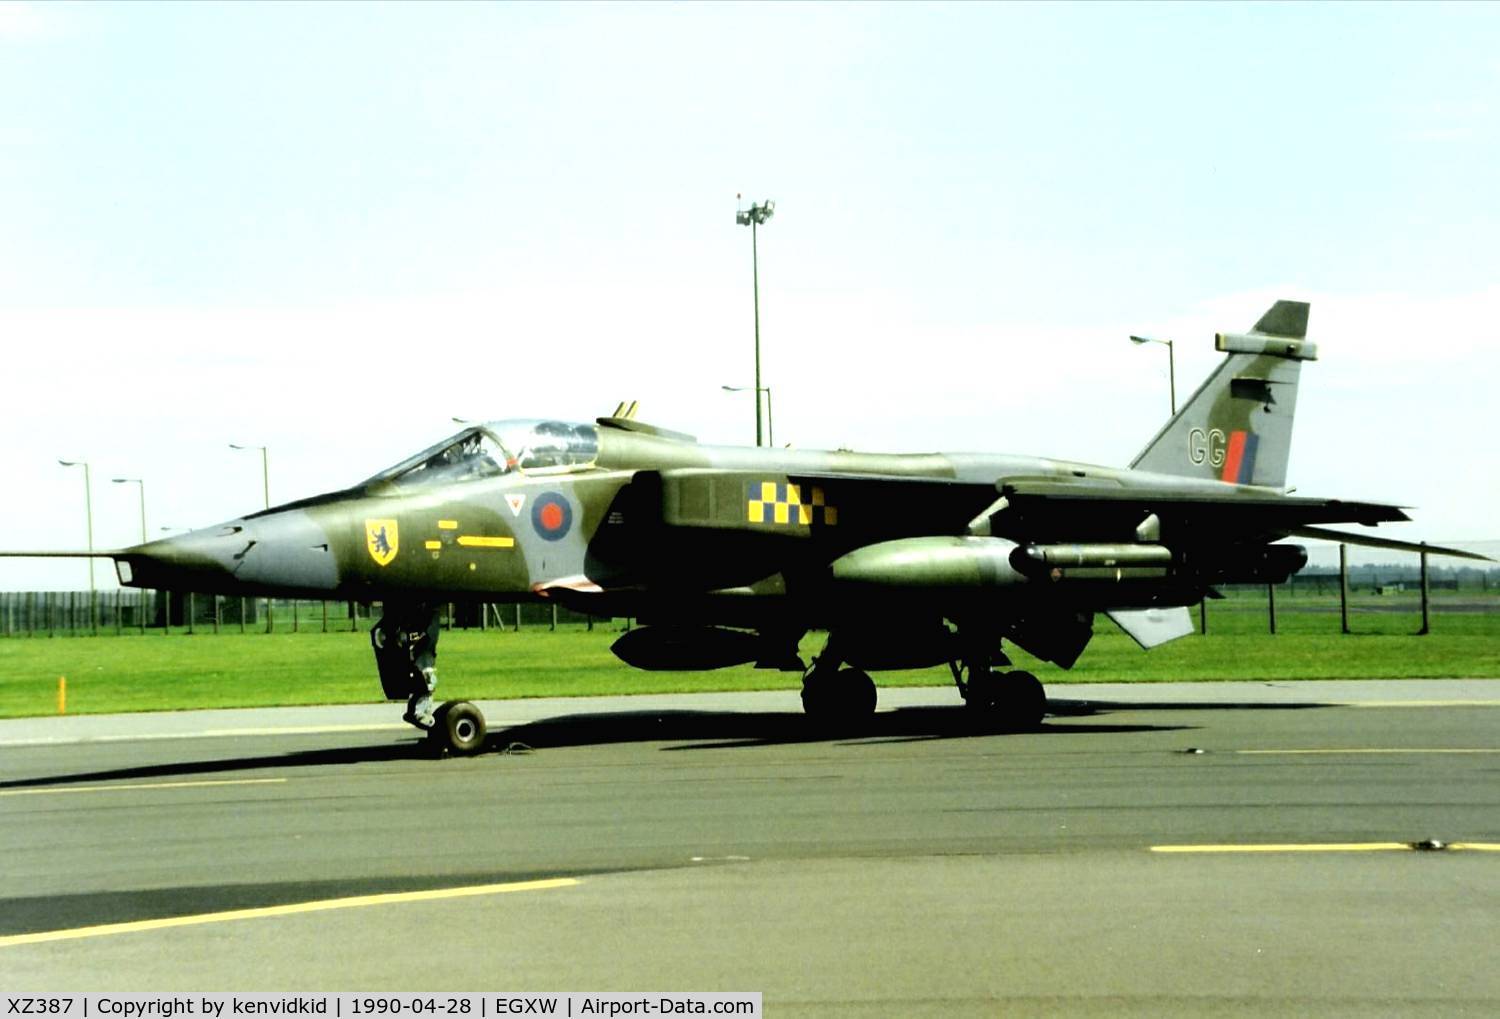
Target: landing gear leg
419, 704
1003, 701
405, 642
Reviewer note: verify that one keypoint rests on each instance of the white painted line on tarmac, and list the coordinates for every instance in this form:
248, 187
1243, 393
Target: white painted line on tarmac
132, 787
1424, 704
285, 730
280, 730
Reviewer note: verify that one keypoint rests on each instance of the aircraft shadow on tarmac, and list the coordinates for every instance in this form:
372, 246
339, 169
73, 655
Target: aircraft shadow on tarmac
699, 730
683, 730
705, 730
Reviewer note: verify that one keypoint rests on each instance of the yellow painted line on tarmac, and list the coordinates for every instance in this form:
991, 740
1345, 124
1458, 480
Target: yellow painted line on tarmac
290, 909
1324, 847
141, 785
1424, 704
1290, 847
1377, 750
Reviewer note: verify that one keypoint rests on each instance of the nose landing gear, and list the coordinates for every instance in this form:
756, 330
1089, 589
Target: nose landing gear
458, 728
405, 643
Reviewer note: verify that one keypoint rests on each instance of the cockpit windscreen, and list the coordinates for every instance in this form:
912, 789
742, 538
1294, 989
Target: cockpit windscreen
500, 447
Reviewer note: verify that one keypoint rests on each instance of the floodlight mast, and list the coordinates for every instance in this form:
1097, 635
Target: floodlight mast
770, 417
88, 509
1171, 365
140, 609
265, 483
753, 217
265, 469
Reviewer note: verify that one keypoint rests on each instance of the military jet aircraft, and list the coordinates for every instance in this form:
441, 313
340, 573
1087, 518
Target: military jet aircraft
731, 555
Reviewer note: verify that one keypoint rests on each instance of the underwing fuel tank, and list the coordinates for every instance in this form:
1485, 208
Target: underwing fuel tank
687, 648
932, 563
957, 563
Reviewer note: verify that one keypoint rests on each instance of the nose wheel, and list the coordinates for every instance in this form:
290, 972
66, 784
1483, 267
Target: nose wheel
458, 728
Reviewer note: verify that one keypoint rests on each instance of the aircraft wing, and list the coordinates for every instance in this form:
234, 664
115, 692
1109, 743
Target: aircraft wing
850, 509
1045, 509
1191, 515
1370, 541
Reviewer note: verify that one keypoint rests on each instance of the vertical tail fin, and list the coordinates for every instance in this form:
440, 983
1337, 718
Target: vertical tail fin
1238, 426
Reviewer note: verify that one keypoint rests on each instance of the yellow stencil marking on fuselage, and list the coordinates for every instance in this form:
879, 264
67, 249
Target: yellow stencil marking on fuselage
482, 541
447, 525
433, 544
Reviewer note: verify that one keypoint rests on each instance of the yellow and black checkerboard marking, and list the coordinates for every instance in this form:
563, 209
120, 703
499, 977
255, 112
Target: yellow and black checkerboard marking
771, 502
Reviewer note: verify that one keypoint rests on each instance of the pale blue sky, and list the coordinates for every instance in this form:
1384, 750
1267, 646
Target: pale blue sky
305, 215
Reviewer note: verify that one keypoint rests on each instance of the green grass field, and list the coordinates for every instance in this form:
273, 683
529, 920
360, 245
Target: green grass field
153, 672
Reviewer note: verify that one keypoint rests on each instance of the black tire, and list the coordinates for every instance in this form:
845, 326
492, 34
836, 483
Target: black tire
818, 692
814, 700
1007, 702
843, 696
1023, 701
856, 693
460, 726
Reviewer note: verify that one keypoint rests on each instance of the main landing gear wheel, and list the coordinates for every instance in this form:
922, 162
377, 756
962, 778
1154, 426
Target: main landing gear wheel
1008, 701
845, 694
458, 727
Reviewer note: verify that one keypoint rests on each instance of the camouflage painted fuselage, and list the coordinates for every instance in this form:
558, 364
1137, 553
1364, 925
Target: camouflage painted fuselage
622, 519
654, 519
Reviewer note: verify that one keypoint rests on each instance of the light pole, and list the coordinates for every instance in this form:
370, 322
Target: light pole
753, 217
88, 509
265, 481
141, 601
142, 485
770, 418
1171, 364
265, 470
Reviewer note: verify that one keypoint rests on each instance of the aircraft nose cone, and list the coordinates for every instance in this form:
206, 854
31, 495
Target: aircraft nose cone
280, 553
289, 553
203, 560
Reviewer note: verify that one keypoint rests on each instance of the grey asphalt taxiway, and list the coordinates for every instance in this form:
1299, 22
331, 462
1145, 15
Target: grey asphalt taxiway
1311, 848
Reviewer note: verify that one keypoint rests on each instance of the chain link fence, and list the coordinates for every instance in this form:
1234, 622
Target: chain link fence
1360, 590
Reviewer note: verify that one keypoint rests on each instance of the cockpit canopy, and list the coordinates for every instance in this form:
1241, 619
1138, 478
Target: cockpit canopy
495, 448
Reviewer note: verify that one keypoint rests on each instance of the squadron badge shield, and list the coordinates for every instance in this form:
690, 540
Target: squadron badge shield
382, 539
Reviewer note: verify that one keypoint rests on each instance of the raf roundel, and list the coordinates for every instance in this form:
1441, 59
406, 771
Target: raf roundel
551, 515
